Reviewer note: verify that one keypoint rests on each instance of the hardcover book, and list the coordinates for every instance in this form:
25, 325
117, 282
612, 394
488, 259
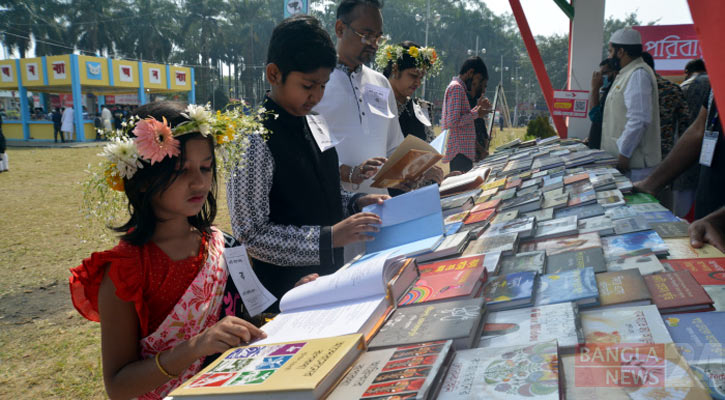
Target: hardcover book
566, 244
620, 288
638, 324
648, 207
545, 214
491, 204
555, 201
458, 320
616, 213
407, 166
448, 284
577, 286
681, 248
629, 225
639, 198
530, 261
510, 291
512, 372
677, 292
503, 217
582, 212
408, 372
556, 227
706, 271
619, 244
671, 229
642, 260
524, 226
659, 216
577, 259
290, 370
717, 294
451, 245
601, 224
457, 217
504, 244
582, 199
479, 216
610, 198
535, 324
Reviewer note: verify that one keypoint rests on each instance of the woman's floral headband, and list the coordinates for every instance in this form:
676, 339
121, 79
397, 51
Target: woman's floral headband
153, 140
425, 58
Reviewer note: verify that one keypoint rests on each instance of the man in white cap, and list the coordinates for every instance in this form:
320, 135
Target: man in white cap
631, 121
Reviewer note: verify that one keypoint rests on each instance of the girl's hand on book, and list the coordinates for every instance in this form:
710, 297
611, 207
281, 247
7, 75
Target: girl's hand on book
354, 229
307, 279
225, 334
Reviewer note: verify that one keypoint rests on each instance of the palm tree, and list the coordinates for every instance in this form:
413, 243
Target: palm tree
150, 34
41, 20
95, 25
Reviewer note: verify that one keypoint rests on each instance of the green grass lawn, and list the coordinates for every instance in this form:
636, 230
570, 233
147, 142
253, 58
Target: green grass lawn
48, 349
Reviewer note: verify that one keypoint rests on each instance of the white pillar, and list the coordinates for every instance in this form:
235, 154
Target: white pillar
586, 54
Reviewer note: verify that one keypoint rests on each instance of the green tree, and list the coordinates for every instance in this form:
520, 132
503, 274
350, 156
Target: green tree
96, 25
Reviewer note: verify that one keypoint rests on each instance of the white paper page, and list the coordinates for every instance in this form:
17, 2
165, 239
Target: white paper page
255, 296
363, 278
325, 321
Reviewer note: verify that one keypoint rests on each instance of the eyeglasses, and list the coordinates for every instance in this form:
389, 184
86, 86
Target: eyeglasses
368, 38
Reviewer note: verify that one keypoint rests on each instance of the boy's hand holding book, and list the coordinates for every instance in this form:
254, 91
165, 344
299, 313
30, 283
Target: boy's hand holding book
354, 229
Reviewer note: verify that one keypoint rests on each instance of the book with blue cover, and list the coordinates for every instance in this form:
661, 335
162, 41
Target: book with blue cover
412, 221
617, 245
659, 216
578, 286
510, 291
700, 338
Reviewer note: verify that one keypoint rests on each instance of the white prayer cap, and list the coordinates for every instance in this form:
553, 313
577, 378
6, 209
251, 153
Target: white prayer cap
626, 36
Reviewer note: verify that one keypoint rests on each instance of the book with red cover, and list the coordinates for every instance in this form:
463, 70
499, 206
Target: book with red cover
491, 204
513, 183
456, 283
456, 264
575, 178
475, 217
678, 292
707, 271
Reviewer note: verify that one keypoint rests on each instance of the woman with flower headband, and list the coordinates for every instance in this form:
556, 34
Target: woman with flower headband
159, 293
406, 65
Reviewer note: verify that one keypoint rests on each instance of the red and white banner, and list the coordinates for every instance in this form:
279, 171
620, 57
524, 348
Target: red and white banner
126, 99
125, 73
154, 76
671, 46
31, 71
59, 70
180, 78
571, 103
6, 73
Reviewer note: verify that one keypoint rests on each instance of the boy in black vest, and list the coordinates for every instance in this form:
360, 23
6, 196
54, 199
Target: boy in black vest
286, 202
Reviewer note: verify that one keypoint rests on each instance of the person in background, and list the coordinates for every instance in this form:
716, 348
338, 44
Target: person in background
67, 123
482, 139
3, 148
107, 118
458, 117
673, 119
601, 83
631, 122
696, 89
56, 117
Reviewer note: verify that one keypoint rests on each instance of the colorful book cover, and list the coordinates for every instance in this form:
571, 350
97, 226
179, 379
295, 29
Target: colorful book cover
310, 367
681, 248
578, 286
535, 324
568, 180
445, 285
622, 287
677, 291
620, 244
408, 372
638, 324
568, 243
487, 205
643, 260
556, 227
457, 217
707, 271
510, 291
458, 320
479, 216
530, 261
639, 198
512, 372
504, 244
581, 199
659, 216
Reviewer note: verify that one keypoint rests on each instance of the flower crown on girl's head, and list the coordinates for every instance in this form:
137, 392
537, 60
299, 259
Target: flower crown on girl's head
153, 140
425, 58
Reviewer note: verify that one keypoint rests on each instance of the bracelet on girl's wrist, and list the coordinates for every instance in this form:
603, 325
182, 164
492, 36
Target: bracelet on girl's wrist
161, 368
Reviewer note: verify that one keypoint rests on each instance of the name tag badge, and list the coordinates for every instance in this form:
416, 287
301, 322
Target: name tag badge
708, 147
376, 98
321, 132
255, 296
421, 115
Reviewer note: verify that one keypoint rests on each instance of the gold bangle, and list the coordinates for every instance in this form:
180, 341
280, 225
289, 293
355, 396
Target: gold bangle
163, 371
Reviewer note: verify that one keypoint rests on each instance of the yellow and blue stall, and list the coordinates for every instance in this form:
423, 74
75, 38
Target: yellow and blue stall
78, 75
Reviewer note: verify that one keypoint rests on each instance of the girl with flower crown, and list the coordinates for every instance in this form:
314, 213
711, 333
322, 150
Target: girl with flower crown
162, 294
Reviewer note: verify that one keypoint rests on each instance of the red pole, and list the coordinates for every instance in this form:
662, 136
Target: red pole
707, 15
538, 64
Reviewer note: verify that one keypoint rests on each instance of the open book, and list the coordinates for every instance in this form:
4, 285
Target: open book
355, 299
408, 162
462, 183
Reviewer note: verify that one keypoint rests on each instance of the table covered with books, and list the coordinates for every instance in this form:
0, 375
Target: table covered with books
538, 274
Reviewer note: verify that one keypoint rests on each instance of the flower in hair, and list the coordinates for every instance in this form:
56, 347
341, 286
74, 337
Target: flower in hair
155, 141
121, 153
199, 116
413, 51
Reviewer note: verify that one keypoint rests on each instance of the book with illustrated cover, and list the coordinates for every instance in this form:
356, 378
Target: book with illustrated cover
451, 245
462, 183
582, 199
629, 225
555, 201
706, 271
603, 182
582, 212
504, 195
545, 214
556, 227
659, 216
638, 324
642, 260
601, 224
524, 226
639, 198
513, 183
671, 229
479, 216
452, 205
491, 204
550, 183
681, 248
502, 217
457, 217
530, 261
527, 191
505, 244
530, 371
647, 207
288, 370
700, 338
616, 213
510, 291
407, 167
494, 184
579, 188
484, 197
619, 244
532, 182
622, 288
568, 180
535, 324
577, 286
406, 372
577, 259
458, 320
565, 244
447, 284
610, 198
678, 292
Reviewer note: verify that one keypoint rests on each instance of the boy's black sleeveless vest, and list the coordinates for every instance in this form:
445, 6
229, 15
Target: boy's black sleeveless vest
305, 191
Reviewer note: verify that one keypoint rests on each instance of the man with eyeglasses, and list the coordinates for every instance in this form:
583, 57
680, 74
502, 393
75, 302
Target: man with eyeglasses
359, 104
